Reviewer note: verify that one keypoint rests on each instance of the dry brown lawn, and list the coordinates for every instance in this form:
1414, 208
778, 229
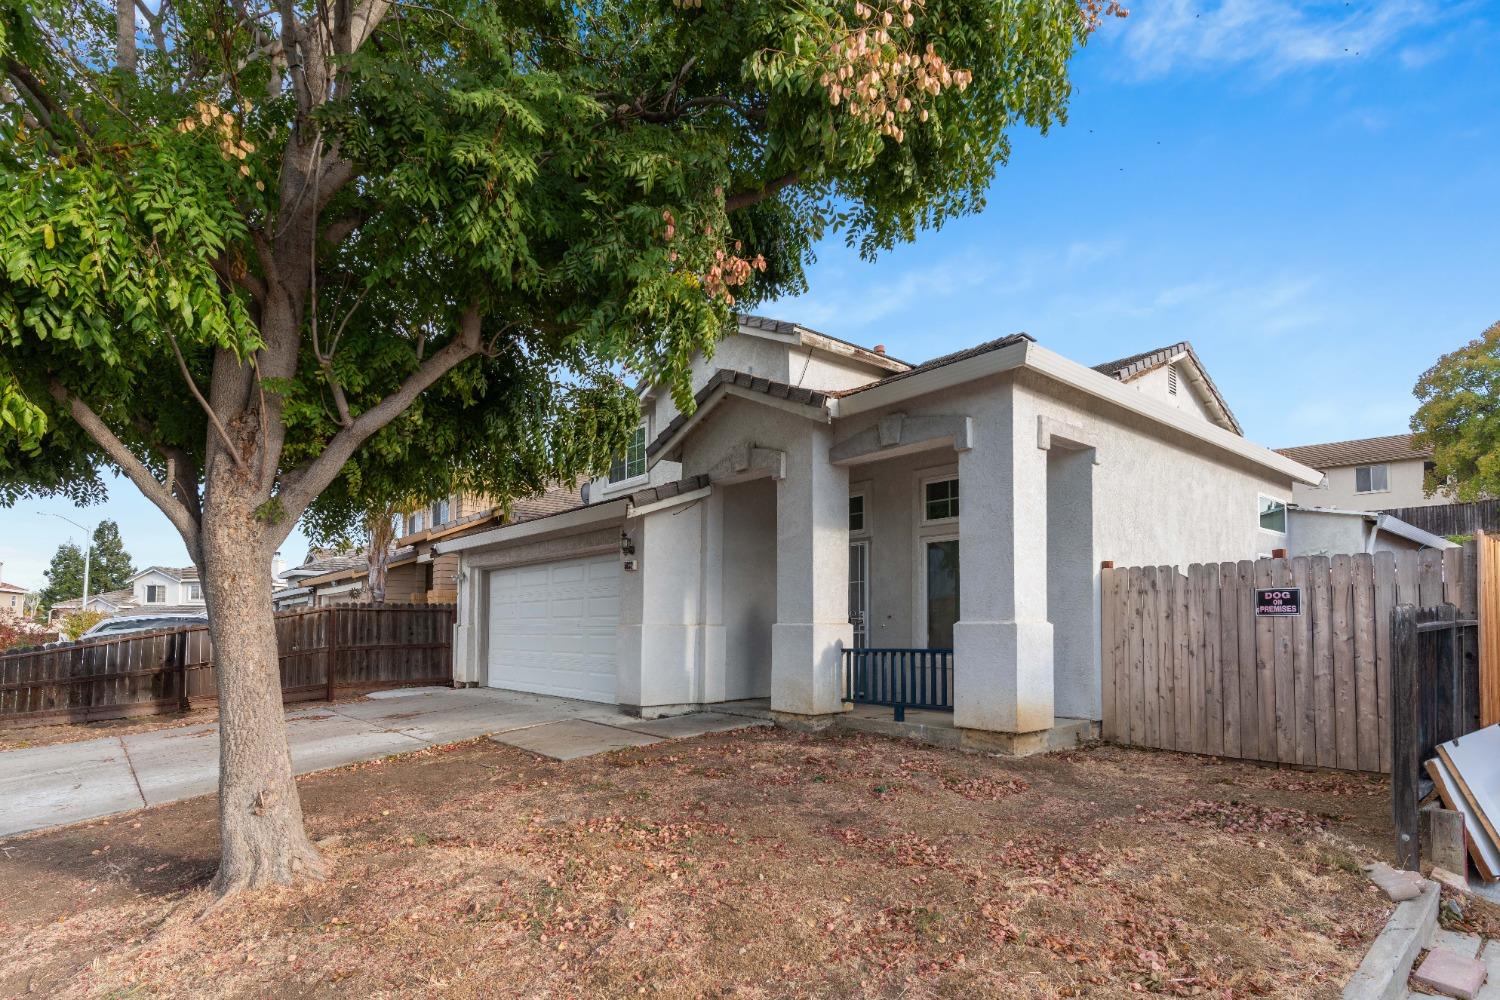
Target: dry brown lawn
752, 864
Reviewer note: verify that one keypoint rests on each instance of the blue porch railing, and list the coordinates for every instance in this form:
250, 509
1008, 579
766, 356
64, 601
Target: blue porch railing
900, 678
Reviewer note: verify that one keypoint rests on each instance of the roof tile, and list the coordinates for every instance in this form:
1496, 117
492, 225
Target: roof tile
1391, 448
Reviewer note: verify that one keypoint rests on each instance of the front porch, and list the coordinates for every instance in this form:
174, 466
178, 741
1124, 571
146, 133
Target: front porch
934, 563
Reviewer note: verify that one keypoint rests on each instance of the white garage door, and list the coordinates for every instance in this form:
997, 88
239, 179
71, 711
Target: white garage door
552, 627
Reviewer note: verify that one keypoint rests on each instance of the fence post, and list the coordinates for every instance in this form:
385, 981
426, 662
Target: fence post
332, 647
179, 651
1404, 736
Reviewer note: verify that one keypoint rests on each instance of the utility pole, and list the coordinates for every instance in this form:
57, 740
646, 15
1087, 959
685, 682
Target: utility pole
88, 552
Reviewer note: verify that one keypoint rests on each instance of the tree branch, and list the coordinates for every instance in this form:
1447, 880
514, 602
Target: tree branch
208, 411
303, 484
158, 494
744, 199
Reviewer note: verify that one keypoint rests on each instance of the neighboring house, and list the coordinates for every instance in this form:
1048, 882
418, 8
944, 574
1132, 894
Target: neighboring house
1379, 473
165, 589
413, 573
824, 495
109, 604
12, 597
1325, 531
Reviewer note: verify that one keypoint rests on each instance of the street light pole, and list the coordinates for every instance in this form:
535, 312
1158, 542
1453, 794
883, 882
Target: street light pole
88, 552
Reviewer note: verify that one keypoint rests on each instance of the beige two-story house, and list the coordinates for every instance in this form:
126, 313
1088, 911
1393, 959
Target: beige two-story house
1379, 473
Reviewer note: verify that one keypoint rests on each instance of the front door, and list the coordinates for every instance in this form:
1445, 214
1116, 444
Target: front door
940, 590
859, 592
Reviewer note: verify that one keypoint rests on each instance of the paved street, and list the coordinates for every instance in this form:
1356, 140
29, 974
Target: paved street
72, 782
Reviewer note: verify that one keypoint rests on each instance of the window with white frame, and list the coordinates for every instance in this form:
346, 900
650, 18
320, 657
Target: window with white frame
414, 522
440, 511
195, 591
1272, 514
156, 593
857, 517
1372, 479
940, 499
632, 462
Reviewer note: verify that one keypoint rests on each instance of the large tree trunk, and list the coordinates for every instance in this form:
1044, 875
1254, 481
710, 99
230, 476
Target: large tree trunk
260, 815
380, 535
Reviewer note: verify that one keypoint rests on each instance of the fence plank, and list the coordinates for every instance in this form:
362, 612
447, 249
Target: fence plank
1284, 704
1137, 622
1213, 679
1109, 726
1197, 675
1229, 658
1367, 685
1304, 691
1265, 670
1385, 596
1182, 685
1488, 603
1149, 653
1249, 696
1343, 662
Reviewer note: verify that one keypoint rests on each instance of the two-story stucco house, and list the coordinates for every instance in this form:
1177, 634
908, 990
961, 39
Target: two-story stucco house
824, 496
164, 589
1381, 473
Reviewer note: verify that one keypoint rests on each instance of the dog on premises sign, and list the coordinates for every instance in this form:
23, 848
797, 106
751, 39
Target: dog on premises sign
1276, 602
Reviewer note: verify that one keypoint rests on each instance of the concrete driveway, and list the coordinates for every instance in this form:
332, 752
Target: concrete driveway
67, 783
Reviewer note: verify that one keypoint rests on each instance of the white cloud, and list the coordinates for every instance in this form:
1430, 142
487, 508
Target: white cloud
1269, 36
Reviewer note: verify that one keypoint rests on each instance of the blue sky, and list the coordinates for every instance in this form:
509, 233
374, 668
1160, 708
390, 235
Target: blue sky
1310, 193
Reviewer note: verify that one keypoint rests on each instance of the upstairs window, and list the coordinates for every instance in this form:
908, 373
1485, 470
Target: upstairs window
156, 593
940, 499
195, 591
440, 512
1272, 515
1371, 479
633, 462
414, 523
857, 513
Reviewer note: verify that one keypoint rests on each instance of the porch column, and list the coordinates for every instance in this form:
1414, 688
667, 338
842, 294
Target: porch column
1002, 670
812, 580
711, 636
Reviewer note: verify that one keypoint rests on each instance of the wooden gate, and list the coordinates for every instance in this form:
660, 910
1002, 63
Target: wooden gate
1489, 628
1187, 664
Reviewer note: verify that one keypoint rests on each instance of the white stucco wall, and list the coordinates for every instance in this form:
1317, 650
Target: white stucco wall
1187, 399
1404, 478
814, 369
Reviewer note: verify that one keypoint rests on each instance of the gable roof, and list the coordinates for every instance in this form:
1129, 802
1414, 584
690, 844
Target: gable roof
182, 574
946, 359
1136, 365
808, 335
727, 378
11, 588
1390, 448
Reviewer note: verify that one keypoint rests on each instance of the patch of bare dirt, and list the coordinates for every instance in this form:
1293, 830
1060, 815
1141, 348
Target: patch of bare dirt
752, 864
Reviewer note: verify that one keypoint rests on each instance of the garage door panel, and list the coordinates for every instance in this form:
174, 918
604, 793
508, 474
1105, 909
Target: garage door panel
552, 627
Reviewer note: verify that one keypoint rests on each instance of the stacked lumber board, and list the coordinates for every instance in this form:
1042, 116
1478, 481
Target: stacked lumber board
1466, 772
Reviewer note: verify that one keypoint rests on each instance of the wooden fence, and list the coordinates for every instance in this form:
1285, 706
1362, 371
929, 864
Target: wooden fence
1187, 664
1452, 518
352, 647
1489, 628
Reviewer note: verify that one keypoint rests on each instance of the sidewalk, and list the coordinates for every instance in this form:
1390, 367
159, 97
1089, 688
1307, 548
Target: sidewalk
67, 783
